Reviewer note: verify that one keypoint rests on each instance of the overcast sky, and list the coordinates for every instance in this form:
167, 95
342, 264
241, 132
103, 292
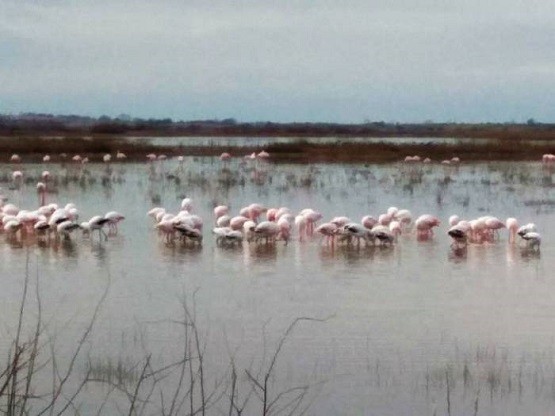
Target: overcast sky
304, 60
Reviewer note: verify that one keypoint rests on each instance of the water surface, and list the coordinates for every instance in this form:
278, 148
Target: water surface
401, 322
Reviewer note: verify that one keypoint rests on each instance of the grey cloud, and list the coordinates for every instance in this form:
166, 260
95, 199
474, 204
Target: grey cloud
393, 60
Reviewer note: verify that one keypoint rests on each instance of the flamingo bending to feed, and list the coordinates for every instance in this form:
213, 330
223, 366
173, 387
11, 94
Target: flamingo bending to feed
383, 235
114, 218
225, 235
356, 231
189, 233
267, 230
65, 228
96, 223
459, 233
424, 226
533, 239
329, 230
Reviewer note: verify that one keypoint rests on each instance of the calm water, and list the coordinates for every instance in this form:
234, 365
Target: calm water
403, 322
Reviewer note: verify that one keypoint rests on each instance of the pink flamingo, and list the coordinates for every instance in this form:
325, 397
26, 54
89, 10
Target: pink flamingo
512, 226
41, 190
220, 211
329, 231
369, 221
301, 223
424, 226
312, 217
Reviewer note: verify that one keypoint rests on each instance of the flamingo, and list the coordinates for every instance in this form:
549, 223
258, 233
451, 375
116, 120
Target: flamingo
65, 228
223, 221
167, 228
96, 223
284, 229
533, 239
188, 232
369, 221
187, 204
225, 235
268, 230
528, 228
113, 218
340, 222
301, 224
236, 223
355, 230
425, 224
17, 177
404, 216
512, 226
459, 233
312, 217
41, 190
220, 211
329, 231
384, 236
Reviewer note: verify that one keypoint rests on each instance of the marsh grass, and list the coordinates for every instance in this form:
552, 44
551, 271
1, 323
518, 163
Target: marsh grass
295, 151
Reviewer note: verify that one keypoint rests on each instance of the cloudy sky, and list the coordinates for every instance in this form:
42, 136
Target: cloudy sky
303, 60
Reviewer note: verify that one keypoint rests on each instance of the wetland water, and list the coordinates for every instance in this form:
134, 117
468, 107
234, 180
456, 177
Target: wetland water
416, 329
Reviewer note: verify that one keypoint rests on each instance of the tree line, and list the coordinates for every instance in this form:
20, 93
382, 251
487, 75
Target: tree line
41, 123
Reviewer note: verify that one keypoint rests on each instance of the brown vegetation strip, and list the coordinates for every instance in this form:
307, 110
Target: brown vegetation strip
297, 152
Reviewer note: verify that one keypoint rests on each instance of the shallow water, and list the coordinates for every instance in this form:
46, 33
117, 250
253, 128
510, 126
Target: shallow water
224, 141
402, 323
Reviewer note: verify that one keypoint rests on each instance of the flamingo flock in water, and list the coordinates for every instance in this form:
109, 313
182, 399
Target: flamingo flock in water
256, 223
262, 225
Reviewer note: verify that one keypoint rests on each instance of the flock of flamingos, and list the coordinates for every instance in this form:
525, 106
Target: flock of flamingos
255, 223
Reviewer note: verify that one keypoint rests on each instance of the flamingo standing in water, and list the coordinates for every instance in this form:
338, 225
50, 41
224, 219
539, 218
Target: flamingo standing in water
424, 226
533, 239
96, 223
329, 230
41, 190
113, 218
512, 226
17, 177
459, 233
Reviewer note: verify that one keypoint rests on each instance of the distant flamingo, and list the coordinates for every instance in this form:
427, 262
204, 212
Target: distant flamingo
512, 226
